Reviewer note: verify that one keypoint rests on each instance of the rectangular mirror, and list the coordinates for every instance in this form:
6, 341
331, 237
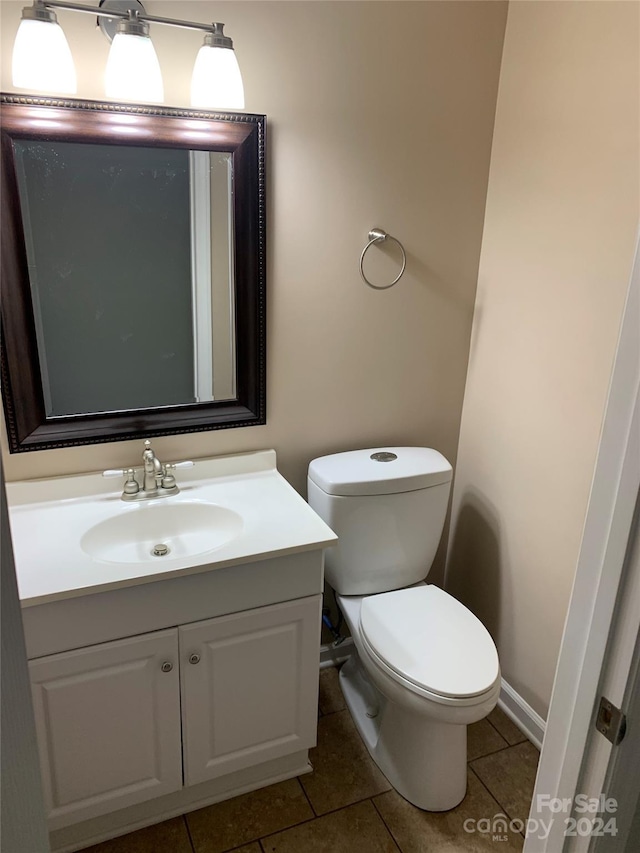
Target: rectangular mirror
133, 271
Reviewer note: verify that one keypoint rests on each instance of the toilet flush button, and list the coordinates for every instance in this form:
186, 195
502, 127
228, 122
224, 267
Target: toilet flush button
383, 457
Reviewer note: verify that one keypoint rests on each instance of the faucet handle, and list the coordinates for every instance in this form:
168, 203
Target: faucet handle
131, 486
168, 480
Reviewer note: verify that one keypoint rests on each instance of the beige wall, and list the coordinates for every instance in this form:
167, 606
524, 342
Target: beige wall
380, 114
559, 237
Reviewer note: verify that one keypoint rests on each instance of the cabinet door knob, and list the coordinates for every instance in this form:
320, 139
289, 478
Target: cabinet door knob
194, 658
167, 666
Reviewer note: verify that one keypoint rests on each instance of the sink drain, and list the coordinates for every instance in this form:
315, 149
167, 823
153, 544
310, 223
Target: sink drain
160, 550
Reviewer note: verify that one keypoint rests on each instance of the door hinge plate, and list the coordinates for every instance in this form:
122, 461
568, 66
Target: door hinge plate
611, 721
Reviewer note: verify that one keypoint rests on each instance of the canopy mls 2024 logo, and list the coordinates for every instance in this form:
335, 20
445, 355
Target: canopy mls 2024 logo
583, 816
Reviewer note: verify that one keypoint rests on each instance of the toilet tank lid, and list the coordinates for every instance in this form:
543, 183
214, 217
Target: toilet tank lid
380, 471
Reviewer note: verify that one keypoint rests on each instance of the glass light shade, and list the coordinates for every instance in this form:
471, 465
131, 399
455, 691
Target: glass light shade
42, 59
133, 71
216, 82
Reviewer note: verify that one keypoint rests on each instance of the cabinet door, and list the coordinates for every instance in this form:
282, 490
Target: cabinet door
108, 724
249, 687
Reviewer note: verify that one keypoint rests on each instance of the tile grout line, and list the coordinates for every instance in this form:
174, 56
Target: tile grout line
306, 796
370, 798
319, 817
488, 790
285, 829
260, 839
354, 803
314, 817
498, 732
380, 815
331, 713
186, 823
502, 749
491, 794
486, 787
524, 737
493, 752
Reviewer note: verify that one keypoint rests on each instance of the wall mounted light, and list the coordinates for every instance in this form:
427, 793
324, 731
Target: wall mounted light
133, 71
41, 55
216, 76
42, 59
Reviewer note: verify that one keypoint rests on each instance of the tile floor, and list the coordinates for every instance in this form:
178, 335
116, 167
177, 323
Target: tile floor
347, 806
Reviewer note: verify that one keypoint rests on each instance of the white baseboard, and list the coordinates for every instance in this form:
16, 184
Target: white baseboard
331, 655
522, 714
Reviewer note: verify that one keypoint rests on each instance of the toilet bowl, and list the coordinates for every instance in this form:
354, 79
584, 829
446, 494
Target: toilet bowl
425, 667
412, 712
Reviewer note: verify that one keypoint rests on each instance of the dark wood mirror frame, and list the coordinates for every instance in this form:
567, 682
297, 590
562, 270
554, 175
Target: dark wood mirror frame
48, 119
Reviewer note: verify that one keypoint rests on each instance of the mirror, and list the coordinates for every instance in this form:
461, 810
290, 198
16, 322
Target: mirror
128, 249
132, 271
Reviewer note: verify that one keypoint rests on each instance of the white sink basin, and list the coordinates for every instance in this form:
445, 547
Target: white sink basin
74, 535
146, 532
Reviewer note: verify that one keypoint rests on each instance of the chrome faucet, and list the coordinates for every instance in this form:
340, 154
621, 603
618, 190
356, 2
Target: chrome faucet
158, 480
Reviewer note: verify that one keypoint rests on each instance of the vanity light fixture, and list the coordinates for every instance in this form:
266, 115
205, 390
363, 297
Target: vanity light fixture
41, 55
133, 72
216, 80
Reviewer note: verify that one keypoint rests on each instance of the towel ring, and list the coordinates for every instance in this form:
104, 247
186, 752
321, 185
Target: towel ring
377, 235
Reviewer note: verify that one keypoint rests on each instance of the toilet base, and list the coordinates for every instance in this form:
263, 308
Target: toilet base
425, 760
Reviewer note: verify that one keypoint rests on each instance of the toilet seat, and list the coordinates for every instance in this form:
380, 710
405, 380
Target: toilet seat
429, 642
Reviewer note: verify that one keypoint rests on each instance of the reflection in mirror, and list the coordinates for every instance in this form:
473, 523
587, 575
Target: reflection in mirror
135, 266
121, 253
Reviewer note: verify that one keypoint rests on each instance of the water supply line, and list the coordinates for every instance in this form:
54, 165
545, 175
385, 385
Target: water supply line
334, 629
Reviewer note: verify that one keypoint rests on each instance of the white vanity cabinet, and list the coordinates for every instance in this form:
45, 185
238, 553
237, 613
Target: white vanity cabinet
165, 684
249, 688
108, 725
123, 722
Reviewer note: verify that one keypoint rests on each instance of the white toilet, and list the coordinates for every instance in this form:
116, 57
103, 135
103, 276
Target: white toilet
425, 666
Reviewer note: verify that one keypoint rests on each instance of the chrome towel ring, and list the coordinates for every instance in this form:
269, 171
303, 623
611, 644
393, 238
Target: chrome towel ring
377, 235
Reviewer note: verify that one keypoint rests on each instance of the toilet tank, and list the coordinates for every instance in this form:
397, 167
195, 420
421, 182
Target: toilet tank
388, 507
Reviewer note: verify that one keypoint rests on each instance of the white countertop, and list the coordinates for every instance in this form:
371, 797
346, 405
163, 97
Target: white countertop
49, 517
